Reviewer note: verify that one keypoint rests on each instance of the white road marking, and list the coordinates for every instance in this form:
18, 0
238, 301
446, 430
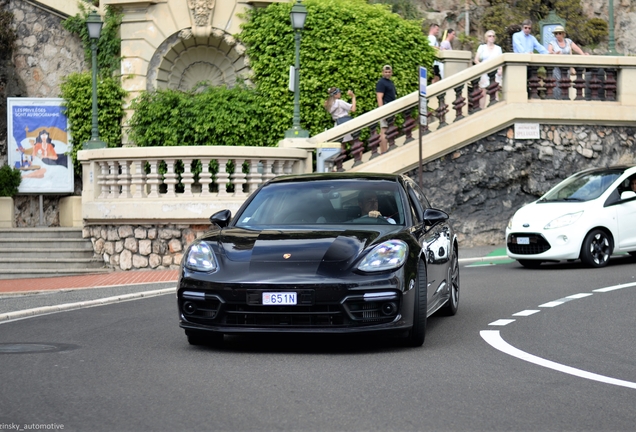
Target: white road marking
527, 312
615, 287
502, 322
579, 296
493, 338
552, 304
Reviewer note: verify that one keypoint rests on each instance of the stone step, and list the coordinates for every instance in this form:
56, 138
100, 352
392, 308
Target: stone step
45, 232
81, 252
37, 273
51, 244
50, 264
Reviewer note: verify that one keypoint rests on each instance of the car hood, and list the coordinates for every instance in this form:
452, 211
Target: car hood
538, 214
295, 251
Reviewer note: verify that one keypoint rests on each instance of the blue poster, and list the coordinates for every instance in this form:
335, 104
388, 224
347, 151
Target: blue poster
39, 145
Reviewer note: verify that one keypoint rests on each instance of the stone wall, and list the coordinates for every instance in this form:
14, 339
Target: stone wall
483, 184
142, 247
43, 55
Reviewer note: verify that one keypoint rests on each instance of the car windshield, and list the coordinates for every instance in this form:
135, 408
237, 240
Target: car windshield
324, 202
582, 187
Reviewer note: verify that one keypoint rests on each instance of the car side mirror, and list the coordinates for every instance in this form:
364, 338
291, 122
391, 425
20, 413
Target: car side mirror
627, 195
433, 216
221, 218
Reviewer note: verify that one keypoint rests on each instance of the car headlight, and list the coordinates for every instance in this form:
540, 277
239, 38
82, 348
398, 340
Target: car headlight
510, 222
201, 258
386, 256
565, 220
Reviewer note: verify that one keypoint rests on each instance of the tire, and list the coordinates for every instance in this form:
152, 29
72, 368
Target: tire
531, 264
198, 338
417, 333
451, 306
597, 248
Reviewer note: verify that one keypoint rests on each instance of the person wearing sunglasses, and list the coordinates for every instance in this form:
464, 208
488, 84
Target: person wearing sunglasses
565, 46
524, 42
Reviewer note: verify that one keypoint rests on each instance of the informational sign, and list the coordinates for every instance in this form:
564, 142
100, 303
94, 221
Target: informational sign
422, 81
546, 34
423, 101
527, 131
39, 145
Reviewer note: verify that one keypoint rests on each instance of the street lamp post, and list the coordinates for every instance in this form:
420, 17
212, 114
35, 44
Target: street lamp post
298, 15
94, 24
612, 49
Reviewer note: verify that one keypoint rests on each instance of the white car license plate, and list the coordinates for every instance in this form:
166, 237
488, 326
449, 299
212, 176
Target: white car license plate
523, 240
279, 298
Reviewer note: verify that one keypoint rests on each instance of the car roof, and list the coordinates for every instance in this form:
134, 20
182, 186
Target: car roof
337, 176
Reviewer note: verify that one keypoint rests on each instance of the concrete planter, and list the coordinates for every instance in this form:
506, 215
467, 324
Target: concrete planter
7, 213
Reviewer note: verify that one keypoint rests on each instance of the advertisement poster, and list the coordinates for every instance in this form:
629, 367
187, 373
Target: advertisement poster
40, 145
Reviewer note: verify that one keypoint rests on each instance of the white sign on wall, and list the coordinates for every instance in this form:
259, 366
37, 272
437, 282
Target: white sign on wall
527, 131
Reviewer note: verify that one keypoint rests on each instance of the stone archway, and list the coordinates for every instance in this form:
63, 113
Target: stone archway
182, 61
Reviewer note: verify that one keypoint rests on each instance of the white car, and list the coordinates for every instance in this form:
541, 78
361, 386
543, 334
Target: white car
588, 216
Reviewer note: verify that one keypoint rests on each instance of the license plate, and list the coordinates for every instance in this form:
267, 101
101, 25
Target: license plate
279, 298
523, 240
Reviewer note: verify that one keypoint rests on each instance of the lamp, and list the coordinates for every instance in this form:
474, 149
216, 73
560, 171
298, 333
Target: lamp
94, 24
298, 15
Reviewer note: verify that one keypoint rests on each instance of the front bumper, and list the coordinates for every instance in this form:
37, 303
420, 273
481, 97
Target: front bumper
320, 308
544, 245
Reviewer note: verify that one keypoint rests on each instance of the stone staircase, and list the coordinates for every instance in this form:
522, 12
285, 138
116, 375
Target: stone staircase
46, 252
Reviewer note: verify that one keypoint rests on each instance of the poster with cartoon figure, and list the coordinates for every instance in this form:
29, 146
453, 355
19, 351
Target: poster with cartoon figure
40, 145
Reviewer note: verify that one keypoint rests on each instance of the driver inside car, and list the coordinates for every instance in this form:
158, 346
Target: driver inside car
368, 202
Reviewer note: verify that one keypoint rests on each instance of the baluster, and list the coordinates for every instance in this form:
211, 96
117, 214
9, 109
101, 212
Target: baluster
222, 178
600, 75
124, 179
254, 178
268, 170
187, 178
408, 126
610, 85
493, 88
205, 177
113, 188
475, 95
549, 82
564, 83
102, 180
288, 167
138, 179
533, 82
459, 103
153, 179
579, 83
595, 84
391, 133
278, 168
170, 178
356, 151
338, 160
441, 110
374, 141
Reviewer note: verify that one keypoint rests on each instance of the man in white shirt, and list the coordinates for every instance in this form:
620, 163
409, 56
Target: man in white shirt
524, 42
438, 71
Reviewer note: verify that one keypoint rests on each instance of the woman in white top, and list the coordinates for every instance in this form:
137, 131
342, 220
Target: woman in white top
339, 109
565, 46
488, 51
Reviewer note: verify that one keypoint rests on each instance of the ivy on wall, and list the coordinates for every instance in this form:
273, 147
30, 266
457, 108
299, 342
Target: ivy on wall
7, 34
344, 43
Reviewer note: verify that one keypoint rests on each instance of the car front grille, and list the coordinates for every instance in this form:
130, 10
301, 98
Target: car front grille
537, 244
283, 316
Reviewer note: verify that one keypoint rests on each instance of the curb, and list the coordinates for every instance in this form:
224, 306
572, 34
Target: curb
29, 313
486, 258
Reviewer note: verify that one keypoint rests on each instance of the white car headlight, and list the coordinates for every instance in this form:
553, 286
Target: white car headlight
510, 222
201, 258
565, 220
386, 256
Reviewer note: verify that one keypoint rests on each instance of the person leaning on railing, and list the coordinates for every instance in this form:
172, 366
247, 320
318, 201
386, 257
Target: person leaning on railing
565, 46
488, 51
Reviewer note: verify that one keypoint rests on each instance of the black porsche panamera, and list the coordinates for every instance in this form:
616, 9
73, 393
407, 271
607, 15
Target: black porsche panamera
322, 253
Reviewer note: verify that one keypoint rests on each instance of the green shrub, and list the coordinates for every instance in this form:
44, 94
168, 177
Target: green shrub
596, 30
10, 179
344, 43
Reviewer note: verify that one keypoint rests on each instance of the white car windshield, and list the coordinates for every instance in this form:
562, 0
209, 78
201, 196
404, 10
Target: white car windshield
324, 202
582, 187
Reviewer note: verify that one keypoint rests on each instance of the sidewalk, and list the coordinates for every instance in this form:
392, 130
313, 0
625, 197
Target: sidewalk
128, 278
